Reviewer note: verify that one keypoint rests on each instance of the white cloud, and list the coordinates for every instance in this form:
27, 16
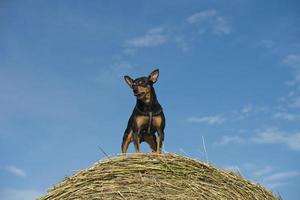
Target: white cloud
281, 176
295, 102
16, 171
292, 99
231, 139
211, 20
182, 44
221, 26
268, 136
233, 116
14, 194
211, 120
275, 136
265, 175
113, 73
286, 116
268, 44
274, 185
201, 16
247, 109
129, 51
153, 37
293, 60
208, 20
278, 179
263, 171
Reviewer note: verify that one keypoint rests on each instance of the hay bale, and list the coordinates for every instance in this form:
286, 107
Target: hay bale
144, 176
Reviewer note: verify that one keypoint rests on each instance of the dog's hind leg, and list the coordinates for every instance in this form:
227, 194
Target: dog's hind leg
127, 138
151, 140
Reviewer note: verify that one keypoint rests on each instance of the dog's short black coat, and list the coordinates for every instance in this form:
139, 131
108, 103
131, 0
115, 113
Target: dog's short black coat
147, 117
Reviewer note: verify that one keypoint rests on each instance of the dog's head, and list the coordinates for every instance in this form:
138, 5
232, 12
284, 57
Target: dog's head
142, 87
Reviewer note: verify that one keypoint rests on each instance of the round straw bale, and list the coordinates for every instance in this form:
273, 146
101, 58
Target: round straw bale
148, 176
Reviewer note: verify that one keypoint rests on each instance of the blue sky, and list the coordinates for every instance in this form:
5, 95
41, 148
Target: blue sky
229, 72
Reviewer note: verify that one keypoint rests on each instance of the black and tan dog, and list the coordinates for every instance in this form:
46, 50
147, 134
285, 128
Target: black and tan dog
147, 117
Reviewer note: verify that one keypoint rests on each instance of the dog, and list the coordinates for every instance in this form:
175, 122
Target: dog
147, 117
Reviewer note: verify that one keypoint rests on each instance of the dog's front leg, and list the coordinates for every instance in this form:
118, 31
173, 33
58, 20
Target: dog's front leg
159, 140
127, 138
136, 140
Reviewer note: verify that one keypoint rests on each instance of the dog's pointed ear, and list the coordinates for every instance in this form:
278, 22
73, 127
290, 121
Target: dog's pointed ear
128, 80
154, 75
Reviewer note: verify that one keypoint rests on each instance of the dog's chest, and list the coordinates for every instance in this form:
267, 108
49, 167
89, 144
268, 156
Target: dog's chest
142, 121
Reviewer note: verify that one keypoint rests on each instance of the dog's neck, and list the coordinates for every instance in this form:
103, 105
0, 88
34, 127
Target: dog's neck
150, 103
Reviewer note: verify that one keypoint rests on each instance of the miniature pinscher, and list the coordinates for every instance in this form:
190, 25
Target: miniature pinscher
147, 117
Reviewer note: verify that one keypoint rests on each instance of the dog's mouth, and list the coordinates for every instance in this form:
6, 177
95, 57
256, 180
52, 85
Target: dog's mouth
139, 95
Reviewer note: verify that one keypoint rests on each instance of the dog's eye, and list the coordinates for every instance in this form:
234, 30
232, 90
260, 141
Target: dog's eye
141, 82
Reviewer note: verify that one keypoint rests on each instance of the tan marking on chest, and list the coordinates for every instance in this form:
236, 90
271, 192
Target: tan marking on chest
141, 120
157, 121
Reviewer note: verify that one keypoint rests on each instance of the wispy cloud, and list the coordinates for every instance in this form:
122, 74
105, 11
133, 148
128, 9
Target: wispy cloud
153, 37
16, 171
210, 20
182, 44
211, 120
221, 26
265, 175
267, 44
236, 115
278, 179
206, 21
16, 194
267, 136
112, 73
275, 136
247, 109
230, 139
292, 99
295, 102
243, 112
263, 171
280, 176
286, 116
274, 185
293, 60
201, 16
129, 51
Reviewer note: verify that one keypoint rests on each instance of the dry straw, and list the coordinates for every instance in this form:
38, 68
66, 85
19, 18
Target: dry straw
144, 176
